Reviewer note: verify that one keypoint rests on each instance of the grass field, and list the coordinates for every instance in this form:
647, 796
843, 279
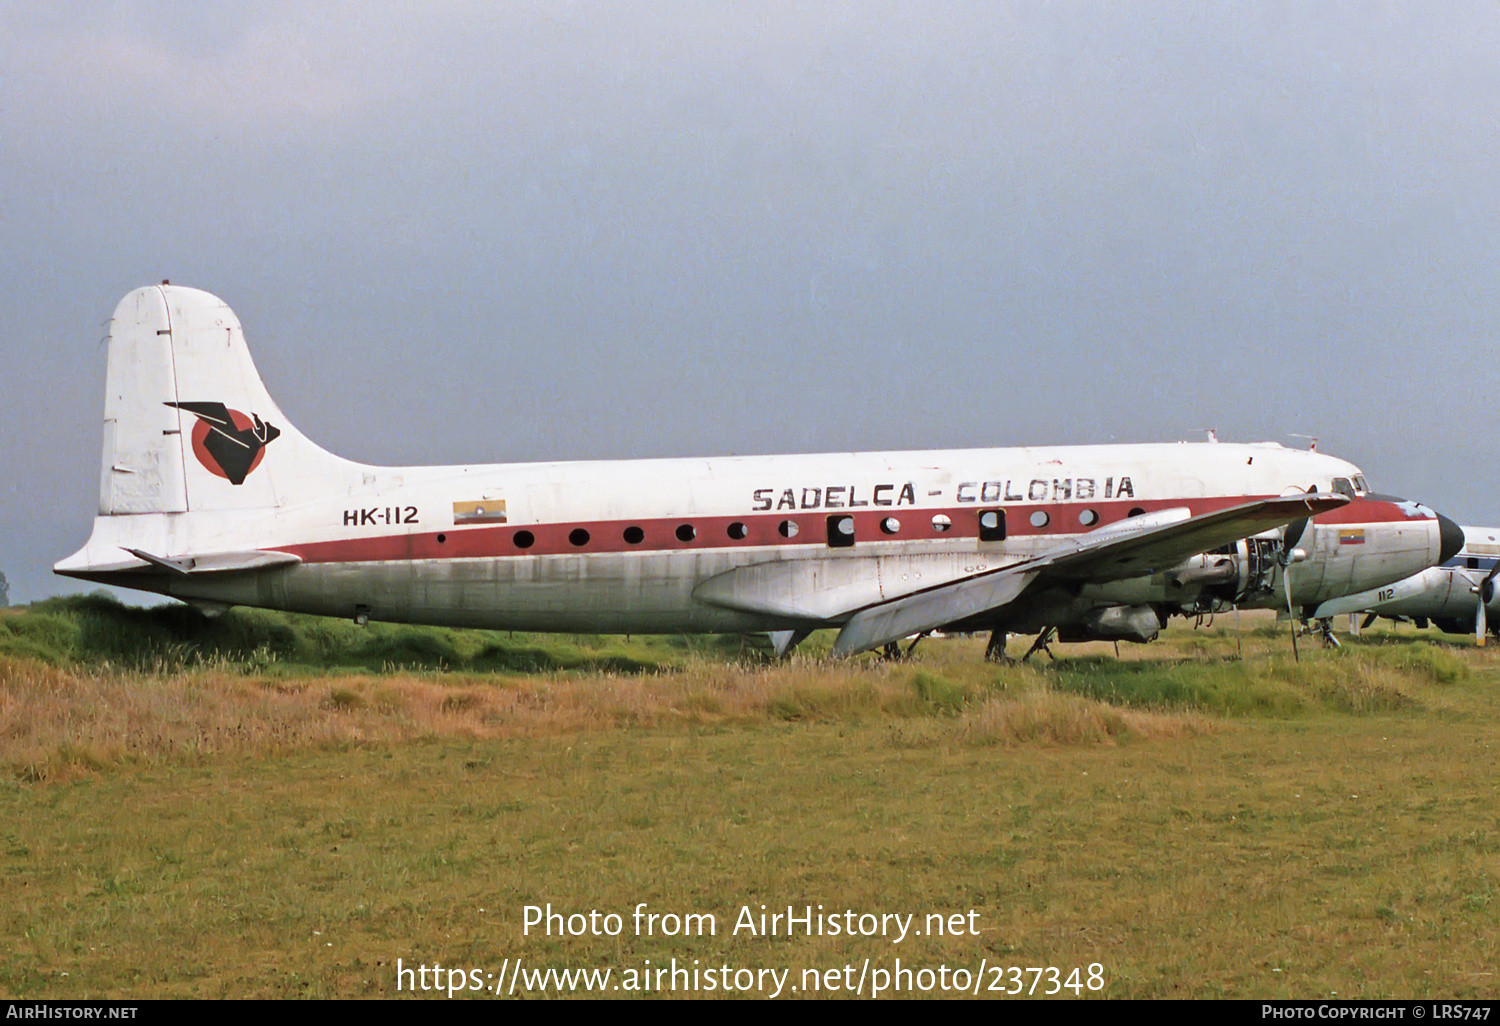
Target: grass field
271, 806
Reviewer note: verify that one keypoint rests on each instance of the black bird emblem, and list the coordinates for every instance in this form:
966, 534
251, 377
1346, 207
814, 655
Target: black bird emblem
226, 441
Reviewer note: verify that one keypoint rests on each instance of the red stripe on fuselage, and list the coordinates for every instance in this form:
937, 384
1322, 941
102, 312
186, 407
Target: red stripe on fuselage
762, 529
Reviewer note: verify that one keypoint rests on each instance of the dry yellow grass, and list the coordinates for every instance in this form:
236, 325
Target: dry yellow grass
56, 723
1048, 718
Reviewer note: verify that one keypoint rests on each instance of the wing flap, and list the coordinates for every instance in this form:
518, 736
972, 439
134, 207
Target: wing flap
928, 610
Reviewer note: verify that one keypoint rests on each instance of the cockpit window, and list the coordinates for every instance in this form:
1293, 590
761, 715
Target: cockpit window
1360, 486
1343, 487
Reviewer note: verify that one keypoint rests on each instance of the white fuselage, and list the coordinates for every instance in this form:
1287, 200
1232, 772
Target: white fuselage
623, 546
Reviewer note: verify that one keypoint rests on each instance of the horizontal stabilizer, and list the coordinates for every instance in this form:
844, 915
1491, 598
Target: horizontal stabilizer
215, 562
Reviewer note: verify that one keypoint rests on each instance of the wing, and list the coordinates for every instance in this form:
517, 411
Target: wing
1130, 548
1137, 548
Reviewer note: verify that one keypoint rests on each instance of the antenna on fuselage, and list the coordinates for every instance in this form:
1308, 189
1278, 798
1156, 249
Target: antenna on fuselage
1311, 440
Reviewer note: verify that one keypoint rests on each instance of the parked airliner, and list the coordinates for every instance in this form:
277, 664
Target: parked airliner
209, 494
1459, 596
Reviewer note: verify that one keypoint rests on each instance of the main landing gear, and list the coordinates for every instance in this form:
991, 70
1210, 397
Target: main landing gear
994, 652
1324, 630
1320, 629
892, 652
1043, 643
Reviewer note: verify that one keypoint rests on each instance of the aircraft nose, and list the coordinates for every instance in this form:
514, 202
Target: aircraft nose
1450, 539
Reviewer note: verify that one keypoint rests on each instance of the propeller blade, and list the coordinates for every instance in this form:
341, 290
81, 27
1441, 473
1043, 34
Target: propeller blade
1286, 581
1486, 594
1291, 536
1289, 555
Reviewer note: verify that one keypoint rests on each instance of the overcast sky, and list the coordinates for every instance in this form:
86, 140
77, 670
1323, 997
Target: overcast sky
490, 231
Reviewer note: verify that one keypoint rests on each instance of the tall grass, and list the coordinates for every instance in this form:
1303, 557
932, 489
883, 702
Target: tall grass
97, 629
87, 683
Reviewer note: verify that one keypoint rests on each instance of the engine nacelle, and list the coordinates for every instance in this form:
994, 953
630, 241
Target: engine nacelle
1212, 568
1115, 623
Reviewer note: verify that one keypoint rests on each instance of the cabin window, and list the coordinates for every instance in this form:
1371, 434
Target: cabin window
890, 525
524, 539
579, 537
787, 528
941, 523
841, 531
737, 531
1039, 518
634, 535
992, 525
1088, 517
442, 538
686, 532
1135, 511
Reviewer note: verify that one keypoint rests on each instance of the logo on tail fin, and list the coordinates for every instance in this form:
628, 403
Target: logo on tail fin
227, 442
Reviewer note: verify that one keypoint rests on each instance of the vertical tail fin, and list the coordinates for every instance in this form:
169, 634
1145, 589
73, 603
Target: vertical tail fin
188, 424
142, 470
